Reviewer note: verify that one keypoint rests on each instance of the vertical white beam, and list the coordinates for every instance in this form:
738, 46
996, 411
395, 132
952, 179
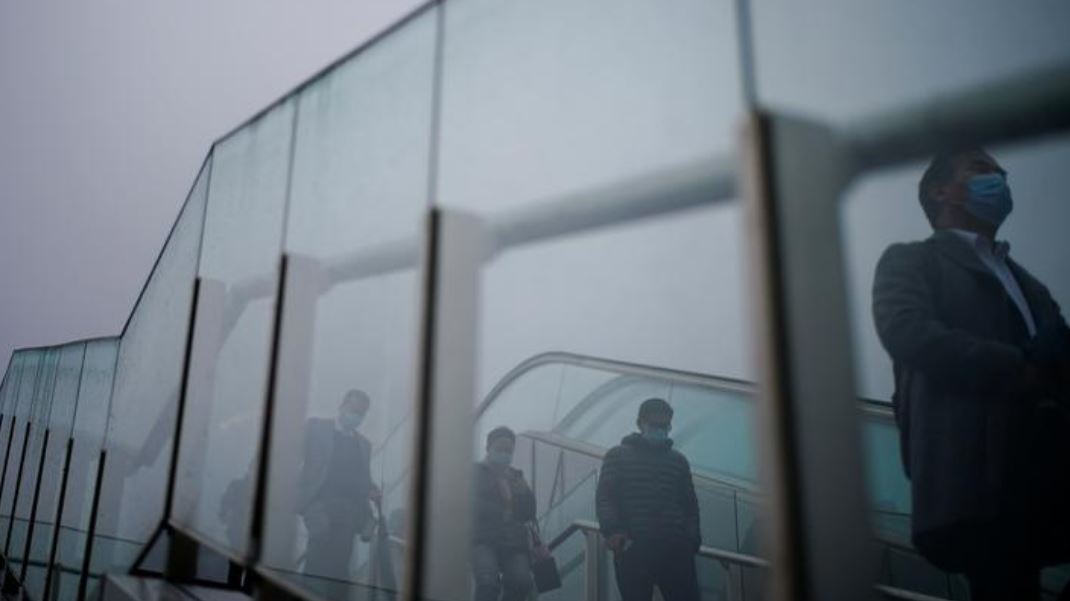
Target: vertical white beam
821, 543
441, 502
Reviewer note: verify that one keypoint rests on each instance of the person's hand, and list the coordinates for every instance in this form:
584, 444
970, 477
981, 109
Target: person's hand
375, 495
617, 542
540, 551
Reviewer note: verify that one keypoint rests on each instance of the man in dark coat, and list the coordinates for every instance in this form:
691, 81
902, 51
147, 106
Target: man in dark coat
982, 357
336, 487
504, 505
648, 511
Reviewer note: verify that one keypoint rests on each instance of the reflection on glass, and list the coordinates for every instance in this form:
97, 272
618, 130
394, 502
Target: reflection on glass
142, 416
979, 356
243, 221
338, 484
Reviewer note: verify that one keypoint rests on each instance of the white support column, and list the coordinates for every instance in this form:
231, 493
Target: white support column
305, 281
821, 544
441, 502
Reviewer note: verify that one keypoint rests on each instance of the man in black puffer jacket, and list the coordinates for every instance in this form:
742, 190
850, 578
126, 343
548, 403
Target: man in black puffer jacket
648, 511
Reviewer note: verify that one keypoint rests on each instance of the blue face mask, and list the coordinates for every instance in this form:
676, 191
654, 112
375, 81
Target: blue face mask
656, 434
350, 420
501, 458
988, 198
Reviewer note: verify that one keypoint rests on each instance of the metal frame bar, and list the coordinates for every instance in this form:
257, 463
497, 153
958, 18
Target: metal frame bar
33, 504
57, 525
87, 555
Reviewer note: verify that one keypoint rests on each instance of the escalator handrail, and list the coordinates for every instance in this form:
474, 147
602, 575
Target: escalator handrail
879, 408
598, 452
739, 559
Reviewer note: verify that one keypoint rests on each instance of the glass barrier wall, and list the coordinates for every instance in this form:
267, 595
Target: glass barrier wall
59, 425
147, 379
338, 487
926, 309
12, 385
87, 436
617, 101
40, 413
16, 436
228, 377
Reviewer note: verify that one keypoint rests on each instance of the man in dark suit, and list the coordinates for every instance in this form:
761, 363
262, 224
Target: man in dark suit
982, 357
336, 487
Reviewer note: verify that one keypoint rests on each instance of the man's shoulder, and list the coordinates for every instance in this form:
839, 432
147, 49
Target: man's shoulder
679, 457
906, 251
618, 452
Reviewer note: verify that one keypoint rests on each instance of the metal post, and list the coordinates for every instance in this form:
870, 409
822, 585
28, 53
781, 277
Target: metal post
58, 522
440, 505
183, 387
33, 506
821, 544
18, 486
593, 566
87, 556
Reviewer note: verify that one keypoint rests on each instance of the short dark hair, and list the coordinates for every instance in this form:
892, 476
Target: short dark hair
939, 172
500, 432
356, 397
654, 406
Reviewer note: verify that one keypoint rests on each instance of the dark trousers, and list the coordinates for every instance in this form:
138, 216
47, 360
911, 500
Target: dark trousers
501, 573
332, 526
1002, 558
668, 565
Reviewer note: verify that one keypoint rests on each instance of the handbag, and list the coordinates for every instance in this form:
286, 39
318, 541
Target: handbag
543, 565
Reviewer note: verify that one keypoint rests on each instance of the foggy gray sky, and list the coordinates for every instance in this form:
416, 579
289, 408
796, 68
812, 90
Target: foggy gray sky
106, 112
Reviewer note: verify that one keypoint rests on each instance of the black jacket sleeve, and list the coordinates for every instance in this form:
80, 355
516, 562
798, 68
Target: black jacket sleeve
607, 501
905, 312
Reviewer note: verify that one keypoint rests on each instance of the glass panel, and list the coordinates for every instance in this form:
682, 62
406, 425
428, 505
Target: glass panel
358, 203
12, 385
546, 98
27, 475
235, 312
60, 425
552, 101
800, 50
146, 391
16, 436
985, 446
90, 420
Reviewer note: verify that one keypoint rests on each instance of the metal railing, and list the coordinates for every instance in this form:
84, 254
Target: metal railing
734, 563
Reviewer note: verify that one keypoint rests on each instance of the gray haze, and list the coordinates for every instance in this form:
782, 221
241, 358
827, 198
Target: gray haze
106, 112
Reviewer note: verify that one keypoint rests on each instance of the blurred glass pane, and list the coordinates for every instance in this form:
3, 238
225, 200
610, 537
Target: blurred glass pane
355, 222
558, 101
146, 390
546, 98
90, 421
60, 425
800, 51
239, 274
940, 311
